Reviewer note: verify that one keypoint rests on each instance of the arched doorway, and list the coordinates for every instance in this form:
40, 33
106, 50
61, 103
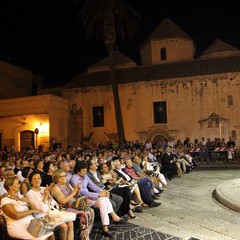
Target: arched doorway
157, 137
26, 139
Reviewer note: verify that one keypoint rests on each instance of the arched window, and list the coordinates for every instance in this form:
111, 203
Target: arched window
163, 53
230, 100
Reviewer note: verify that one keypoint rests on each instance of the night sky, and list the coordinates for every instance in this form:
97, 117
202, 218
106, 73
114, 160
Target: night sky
42, 36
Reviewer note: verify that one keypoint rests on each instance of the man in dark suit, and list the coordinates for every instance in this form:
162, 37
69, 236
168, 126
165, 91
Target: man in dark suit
169, 167
97, 179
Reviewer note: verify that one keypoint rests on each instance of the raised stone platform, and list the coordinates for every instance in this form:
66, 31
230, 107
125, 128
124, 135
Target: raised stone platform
215, 165
228, 194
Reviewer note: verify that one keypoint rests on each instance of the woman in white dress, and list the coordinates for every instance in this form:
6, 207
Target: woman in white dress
42, 198
18, 211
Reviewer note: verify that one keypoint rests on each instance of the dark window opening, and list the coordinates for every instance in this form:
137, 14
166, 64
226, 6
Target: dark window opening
230, 100
98, 116
163, 53
160, 112
234, 134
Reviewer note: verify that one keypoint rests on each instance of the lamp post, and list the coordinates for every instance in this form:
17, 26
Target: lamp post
36, 132
220, 127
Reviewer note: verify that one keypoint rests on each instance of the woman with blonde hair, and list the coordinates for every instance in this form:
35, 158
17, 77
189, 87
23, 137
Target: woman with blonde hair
64, 194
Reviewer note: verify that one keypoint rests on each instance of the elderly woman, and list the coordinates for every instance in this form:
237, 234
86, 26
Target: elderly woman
42, 198
64, 194
18, 211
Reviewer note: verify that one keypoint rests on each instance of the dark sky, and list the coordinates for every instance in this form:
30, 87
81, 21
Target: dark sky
41, 35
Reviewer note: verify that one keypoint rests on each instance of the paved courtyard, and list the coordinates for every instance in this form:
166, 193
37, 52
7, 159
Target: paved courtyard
189, 211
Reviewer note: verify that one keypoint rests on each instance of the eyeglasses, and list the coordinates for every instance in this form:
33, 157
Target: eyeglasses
63, 176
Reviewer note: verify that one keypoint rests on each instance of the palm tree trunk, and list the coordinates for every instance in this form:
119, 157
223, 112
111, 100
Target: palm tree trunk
117, 105
109, 39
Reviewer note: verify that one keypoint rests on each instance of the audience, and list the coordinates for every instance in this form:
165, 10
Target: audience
116, 178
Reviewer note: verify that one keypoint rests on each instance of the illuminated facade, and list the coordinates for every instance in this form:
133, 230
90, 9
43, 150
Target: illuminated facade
27, 120
37, 120
172, 94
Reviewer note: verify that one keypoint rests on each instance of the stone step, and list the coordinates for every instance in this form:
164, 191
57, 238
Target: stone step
214, 165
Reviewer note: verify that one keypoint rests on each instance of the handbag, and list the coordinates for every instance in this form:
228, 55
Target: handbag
56, 213
40, 226
60, 215
81, 204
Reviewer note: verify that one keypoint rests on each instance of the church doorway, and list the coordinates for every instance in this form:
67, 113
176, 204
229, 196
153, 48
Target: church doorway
26, 140
158, 139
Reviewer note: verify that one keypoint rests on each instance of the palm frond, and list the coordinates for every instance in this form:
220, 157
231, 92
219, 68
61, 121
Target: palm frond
91, 13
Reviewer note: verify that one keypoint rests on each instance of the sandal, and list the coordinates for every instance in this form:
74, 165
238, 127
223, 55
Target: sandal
131, 214
165, 187
134, 204
107, 234
137, 209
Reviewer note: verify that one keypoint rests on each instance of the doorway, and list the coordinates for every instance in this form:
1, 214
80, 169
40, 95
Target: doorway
26, 140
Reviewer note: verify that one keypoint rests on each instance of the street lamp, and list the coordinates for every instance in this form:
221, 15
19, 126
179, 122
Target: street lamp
36, 132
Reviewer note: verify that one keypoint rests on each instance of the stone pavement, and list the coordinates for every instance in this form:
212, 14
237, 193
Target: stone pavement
189, 211
129, 231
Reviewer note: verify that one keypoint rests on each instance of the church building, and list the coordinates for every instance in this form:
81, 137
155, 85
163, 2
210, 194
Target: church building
170, 94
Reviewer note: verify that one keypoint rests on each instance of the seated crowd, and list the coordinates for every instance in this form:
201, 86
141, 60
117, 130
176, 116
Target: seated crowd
117, 179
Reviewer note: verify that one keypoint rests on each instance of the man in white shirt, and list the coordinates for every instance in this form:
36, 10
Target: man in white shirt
24, 163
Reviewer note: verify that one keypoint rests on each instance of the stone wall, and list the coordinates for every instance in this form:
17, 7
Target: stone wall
190, 105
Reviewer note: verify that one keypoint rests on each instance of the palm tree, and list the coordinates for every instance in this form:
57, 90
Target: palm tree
109, 19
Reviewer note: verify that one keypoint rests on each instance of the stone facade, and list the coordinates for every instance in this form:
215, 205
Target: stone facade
200, 95
190, 103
